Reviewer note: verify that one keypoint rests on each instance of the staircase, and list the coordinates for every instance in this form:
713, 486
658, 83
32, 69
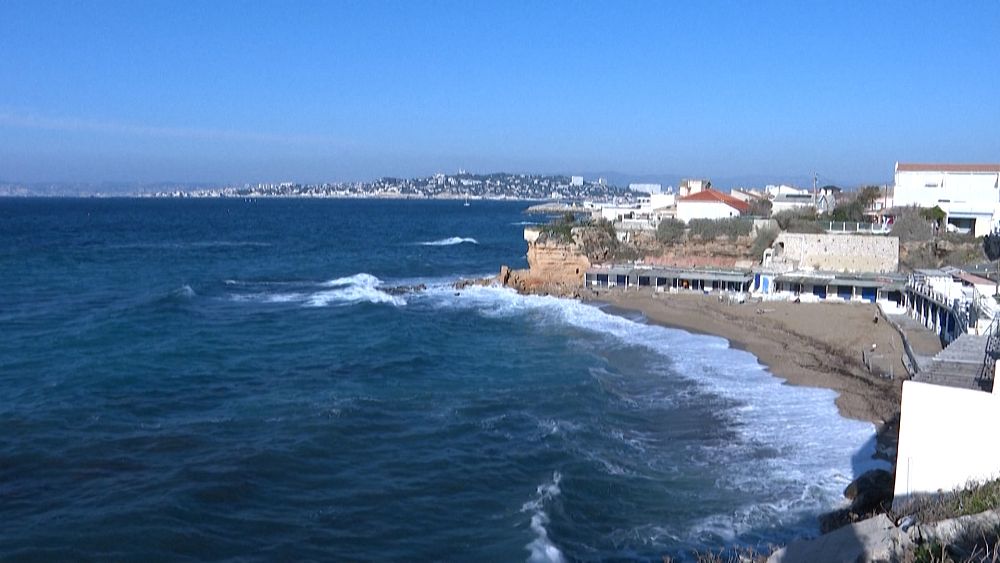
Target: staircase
958, 365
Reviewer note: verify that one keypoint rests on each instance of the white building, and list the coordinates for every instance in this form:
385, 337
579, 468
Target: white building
692, 186
782, 189
747, 195
968, 193
576, 180
786, 201
661, 200
710, 204
646, 188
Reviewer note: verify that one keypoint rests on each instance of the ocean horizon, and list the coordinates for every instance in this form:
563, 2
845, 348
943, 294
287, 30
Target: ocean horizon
229, 379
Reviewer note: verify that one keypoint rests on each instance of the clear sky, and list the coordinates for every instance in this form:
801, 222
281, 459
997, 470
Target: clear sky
222, 91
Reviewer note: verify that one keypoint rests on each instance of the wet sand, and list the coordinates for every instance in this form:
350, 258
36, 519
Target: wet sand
810, 344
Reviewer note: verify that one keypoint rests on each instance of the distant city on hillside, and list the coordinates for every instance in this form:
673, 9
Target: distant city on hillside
439, 186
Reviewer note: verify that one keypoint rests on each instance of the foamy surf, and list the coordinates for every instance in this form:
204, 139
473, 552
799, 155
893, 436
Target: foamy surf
349, 290
541, 549
792, 450
450, 241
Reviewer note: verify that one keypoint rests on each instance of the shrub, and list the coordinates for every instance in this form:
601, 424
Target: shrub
560, 228
787, 217
910, 226
710, 229
760, 207
764, 239
805, 226
670, 231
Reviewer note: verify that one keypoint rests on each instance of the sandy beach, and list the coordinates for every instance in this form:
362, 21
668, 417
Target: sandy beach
810, 344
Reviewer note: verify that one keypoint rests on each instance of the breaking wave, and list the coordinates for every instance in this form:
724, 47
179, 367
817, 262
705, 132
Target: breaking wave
793, 453
349, 290
450, 241
541, 549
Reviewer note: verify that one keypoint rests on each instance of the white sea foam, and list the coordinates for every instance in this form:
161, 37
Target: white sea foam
185, 291
349, 290
792, 444
541, 549
449, 241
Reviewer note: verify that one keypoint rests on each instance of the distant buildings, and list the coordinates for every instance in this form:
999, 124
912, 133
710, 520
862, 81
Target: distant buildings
576, 180
646, 188
969, 194
691, 186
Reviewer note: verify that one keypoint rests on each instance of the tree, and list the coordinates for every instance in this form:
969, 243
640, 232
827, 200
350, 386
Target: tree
670, 231
760, 207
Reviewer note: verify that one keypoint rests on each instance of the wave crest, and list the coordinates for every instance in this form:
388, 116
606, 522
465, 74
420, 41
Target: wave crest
541, 549
449, 241
348, 290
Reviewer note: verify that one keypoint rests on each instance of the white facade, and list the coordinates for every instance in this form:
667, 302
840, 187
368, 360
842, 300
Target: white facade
748, 196
659, 201
646, 188
968, 194
576, 180
784, 202
691, 186
687, 210
776, 190
937, 450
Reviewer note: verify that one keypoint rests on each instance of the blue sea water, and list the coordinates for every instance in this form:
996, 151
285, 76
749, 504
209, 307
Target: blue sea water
232, 380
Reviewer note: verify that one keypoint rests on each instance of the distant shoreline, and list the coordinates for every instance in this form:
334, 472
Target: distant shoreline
304, 197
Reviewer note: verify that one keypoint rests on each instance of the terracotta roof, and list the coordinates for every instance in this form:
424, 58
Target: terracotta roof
913, 167
712, 195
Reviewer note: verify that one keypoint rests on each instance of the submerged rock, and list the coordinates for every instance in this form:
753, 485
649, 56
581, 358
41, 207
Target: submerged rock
404, 289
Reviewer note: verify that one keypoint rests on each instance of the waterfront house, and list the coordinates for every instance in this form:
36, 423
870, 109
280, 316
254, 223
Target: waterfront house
710, 204
969, 194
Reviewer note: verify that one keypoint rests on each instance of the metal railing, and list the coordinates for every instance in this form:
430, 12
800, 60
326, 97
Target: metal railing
855, 227
992, 351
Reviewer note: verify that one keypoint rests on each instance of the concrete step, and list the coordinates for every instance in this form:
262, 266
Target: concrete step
968, 348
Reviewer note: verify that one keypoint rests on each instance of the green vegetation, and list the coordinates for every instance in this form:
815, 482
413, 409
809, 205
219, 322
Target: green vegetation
972, 499
853, 210
760, 208
670, 231
764, 239
801, 220
935, 214
910, 226
711, 229
561, 228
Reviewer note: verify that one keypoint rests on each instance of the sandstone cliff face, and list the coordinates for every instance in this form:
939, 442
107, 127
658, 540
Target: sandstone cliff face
554, 268
721, 253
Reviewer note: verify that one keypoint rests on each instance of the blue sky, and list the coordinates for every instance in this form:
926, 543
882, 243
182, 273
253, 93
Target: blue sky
145, 91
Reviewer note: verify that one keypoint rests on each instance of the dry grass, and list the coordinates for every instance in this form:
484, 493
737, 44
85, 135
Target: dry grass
972, 499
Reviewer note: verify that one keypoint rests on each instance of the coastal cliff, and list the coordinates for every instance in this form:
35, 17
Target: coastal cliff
555, 267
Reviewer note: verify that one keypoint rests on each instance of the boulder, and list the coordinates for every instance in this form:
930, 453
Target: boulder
875, 539
870, 493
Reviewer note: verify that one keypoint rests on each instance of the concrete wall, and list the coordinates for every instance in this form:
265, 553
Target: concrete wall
838, 253
945, 439
687, 210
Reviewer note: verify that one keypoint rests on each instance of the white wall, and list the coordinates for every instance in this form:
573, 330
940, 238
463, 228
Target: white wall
964, 194
687, 210
945, 438
960, 191
657, 201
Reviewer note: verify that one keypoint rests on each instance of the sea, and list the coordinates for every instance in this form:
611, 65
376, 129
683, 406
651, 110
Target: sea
298, 380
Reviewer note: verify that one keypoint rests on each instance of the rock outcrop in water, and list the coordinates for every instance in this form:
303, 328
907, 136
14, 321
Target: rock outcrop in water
555, 267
